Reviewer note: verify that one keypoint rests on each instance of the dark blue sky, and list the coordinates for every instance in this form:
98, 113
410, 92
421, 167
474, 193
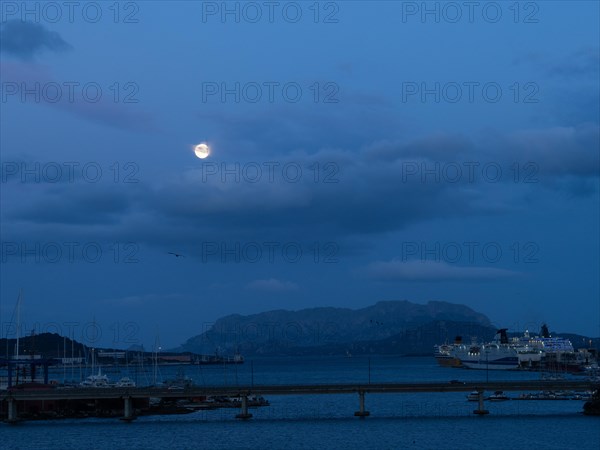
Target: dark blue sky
359, 152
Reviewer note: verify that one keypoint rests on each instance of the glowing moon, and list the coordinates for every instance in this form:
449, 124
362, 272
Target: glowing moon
202, 151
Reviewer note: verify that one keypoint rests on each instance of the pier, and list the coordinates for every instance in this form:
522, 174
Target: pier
128, 394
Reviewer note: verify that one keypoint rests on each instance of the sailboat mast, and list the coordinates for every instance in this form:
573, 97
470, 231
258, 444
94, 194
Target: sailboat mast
18, 321
64, 360
72, 356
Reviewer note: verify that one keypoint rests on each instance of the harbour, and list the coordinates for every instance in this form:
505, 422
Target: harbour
11, 399
397, 420
545, 352
109, 383
354, 381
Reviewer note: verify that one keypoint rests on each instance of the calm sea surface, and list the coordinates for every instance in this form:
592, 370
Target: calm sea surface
423, 421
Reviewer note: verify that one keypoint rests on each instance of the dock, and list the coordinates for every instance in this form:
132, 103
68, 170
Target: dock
128, 394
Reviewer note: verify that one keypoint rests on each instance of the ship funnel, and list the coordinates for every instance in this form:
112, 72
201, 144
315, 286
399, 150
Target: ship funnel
545, 333
503, 335
458, 340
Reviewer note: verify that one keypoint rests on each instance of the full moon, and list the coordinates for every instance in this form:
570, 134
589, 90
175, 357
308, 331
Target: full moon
202, 151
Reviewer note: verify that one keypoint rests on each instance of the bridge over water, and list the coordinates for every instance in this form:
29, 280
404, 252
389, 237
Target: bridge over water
243, 392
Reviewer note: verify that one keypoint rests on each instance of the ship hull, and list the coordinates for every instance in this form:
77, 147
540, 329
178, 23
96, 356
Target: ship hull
448, 361
508, 363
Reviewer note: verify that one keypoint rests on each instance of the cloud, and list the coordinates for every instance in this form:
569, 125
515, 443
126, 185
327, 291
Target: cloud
142, 300
583, 62
26, 39
397, 270
558, 151
272, 285
370, 196
362, 117
568, 84
435, 147
90, 205
21, 77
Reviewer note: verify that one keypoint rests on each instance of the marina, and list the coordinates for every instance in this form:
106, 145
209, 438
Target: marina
431, 418
300, 225
117, 384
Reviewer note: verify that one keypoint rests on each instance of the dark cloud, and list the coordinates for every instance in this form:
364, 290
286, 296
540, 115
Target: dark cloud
26, 39
436, 147
581, 63
103, 110
556, 151
67, 205
567, 84
272, 285
113, 115
396, 270
366, 198
371, 193
361, 120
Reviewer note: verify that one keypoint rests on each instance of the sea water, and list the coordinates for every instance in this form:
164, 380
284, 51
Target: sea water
412, 421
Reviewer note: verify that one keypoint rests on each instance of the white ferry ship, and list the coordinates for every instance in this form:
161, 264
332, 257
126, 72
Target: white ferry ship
496, 355
519, 352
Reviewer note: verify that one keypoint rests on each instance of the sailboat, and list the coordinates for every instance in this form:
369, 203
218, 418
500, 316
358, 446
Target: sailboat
96, 381
19, 365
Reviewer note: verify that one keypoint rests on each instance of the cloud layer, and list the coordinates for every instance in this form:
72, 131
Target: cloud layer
26, 40
396, 270
379, 189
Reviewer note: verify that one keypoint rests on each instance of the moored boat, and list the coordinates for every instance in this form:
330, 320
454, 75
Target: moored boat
498, 396
125, 382
497, 355
96, 381
445, 354
473, 396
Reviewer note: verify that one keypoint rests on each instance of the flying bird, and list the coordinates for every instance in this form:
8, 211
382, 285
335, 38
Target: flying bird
177, 255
